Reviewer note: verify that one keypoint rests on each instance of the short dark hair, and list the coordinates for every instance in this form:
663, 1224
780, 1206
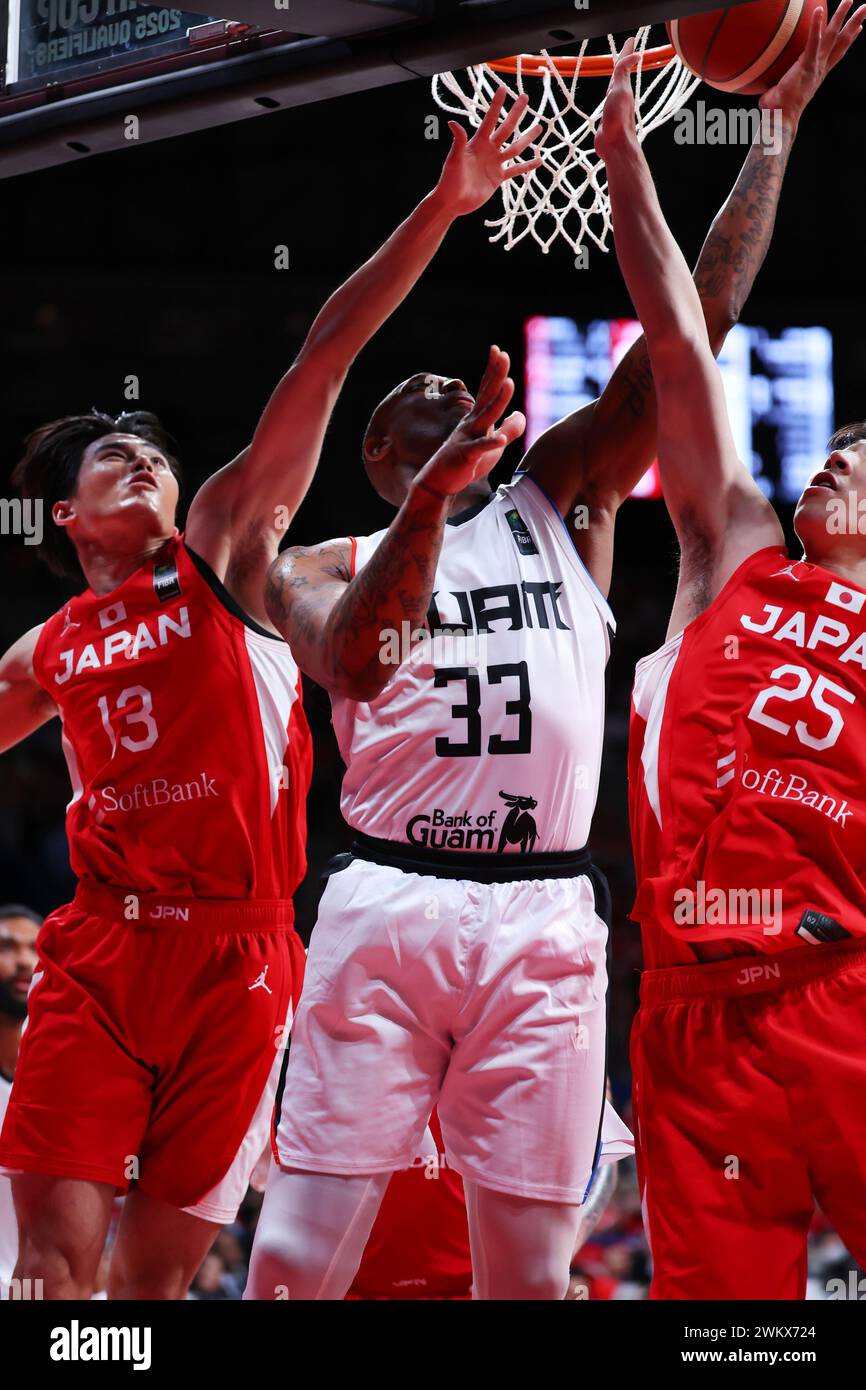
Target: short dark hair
51, 462
8, 910
847, 435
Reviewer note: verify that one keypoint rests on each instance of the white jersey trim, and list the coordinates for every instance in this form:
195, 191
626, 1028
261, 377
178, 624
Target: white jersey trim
651, 679
8, 1224
571, 549
275, 676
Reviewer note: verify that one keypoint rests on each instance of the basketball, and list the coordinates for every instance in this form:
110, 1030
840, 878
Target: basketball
746, 49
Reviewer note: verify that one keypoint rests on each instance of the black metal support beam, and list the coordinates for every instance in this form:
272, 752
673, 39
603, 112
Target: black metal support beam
230, 89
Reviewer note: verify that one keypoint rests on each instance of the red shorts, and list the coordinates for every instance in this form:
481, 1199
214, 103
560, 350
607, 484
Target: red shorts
155, 1032
419, 1245
749, 1084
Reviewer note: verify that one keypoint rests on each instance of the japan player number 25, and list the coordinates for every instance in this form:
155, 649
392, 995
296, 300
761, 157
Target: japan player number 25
819, 732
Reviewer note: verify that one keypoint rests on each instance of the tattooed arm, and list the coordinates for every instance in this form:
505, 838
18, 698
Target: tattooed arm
590, 462
337, 625
238, 517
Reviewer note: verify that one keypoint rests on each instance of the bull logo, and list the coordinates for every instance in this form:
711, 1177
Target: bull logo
519, 826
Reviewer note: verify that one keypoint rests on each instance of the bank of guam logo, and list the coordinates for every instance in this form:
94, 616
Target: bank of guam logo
519, 826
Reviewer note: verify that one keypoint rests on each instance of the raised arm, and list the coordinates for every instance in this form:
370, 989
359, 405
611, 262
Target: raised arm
239, 516
594, 458
24, 705
338, 625
719, 512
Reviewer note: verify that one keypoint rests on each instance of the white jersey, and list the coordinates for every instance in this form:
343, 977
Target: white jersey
8, 1224
489, 735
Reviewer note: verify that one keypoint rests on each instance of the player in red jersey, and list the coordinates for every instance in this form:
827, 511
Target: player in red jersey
748, 764
165, 991
419, 1245
319, 1212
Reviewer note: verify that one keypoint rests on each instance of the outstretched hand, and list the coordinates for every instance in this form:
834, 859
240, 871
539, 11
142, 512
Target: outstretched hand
827, 44
617, 127
473, 449
475, 168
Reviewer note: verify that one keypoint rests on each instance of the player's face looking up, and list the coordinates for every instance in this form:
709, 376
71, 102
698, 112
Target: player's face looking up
831, 514
125, 494
17, 963
407, 428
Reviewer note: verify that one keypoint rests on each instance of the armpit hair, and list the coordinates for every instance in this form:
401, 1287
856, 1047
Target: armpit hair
696, 561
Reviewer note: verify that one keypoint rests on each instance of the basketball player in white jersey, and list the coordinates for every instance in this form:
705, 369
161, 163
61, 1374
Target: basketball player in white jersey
19, 927
459, 955
112, 492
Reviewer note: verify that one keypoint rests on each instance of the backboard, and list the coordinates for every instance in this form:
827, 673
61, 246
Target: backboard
81, 77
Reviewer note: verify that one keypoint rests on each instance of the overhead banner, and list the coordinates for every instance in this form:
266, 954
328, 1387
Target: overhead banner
54, 40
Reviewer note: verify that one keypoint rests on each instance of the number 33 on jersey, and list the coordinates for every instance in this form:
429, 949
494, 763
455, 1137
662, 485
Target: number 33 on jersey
488, 736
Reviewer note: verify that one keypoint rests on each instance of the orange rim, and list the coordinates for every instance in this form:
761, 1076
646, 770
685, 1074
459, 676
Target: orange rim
592, 65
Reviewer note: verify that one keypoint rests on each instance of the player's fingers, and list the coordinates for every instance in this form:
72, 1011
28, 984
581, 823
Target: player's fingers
627, 60
835, 38
843, 41
482, 419
487, 450
512, 120
486, 410
521, 142
620, 69
837, 18
460, 137
816, 33
492, 114
525, 167
485, 453
513, 426
486, 418
496, 369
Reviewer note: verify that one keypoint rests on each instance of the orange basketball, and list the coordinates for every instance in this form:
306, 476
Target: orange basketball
745, 49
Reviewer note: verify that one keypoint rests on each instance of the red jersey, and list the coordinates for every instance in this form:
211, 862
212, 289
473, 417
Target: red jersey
184, 734
747, 767
419, 1244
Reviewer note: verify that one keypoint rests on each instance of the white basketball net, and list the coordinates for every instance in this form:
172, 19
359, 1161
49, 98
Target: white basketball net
566, 196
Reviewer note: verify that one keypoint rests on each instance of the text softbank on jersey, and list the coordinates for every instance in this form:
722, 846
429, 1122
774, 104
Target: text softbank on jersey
489, 735
184, 734
747, 767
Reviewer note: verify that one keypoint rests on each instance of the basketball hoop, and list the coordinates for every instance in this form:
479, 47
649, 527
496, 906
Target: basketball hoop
566, 196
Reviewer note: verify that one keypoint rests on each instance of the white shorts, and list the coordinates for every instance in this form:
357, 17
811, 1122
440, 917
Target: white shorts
223, 1202
486, 1000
